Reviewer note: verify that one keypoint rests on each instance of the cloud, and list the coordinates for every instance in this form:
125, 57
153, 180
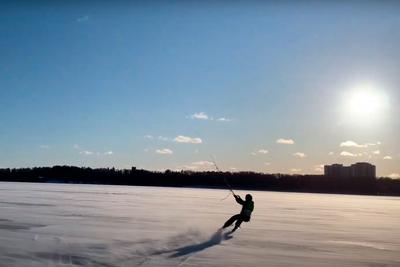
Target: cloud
83, 19
203, 163
200, 116
108, 153
387, 157
149, 136
347, 154
44, 146
163, 138
198, 166
224, 119
164, 151
300, 155
267, 163
86, 152
376, 152
187, 139
351, 144
203, 116
394, 175
263, 151
294, 170
285, 141
354, 144
319, 168
77, 147
331, 153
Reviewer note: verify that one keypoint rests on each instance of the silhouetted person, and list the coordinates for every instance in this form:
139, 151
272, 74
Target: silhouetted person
245, 213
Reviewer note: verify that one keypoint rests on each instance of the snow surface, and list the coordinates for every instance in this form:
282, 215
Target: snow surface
99, 225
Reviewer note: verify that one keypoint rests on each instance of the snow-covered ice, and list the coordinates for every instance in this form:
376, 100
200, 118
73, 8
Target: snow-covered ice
100, 225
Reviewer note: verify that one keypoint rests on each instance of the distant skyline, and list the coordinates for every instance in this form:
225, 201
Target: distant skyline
268, 87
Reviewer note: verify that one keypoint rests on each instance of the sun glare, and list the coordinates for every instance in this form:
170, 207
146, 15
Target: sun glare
365, 103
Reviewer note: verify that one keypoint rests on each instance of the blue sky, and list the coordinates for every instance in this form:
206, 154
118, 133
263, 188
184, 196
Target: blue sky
106, 85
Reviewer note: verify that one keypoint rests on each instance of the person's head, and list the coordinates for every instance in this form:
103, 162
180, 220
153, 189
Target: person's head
248, 197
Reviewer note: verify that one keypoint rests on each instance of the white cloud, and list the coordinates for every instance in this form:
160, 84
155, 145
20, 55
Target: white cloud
294, 170
76, 146
347, 154
164, 151
319, 168
351, 144
187, 139
376, 152
44, 146
285, 141
300, 155
394, 175
224, 119
86, 152
253, 153
149, 136
263, 151
387, 157
267, 163
354, 144
200, 116
331, 153
108, 153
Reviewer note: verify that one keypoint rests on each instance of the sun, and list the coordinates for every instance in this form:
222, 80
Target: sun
365, 102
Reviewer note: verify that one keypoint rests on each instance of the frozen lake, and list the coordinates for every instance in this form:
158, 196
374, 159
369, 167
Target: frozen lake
99, 225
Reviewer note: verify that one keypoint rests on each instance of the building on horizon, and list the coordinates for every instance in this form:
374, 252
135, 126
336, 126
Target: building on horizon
359, 169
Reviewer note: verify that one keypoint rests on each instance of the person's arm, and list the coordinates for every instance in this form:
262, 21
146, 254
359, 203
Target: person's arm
239, 200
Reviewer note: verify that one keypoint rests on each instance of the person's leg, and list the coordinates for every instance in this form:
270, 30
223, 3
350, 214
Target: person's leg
231, 220
237, 224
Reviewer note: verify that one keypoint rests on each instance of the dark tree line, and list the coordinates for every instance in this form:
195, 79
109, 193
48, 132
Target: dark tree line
238, 180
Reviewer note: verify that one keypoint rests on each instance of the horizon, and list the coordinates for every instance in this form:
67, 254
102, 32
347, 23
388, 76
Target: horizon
264, 87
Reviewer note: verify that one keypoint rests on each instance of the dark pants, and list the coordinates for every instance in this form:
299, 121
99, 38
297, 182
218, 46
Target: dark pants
239, 218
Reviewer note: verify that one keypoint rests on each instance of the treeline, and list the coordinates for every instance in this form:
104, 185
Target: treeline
238, 180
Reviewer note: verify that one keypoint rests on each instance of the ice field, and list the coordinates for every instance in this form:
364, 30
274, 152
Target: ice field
100, 225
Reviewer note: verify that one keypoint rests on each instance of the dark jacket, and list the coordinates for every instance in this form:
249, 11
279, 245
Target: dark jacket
247, 207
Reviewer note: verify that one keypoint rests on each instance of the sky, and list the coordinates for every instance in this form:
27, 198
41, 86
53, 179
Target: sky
274, 87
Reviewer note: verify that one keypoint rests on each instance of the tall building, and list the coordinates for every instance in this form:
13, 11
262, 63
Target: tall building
360, 169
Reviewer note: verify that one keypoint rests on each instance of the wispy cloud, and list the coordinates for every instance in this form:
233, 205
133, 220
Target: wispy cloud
295, 170
187, 139
387, 157
267, 163
376, 152
319, 168
355, 144
44, 146
108, 153
149, 136
86, 152
200, 116
299, 155
394, 175
263, 151
204, 116
203, 163
347, 154
164, 151
285, 141
224, 119
76, 146
331, 153
83, 19
198, 166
